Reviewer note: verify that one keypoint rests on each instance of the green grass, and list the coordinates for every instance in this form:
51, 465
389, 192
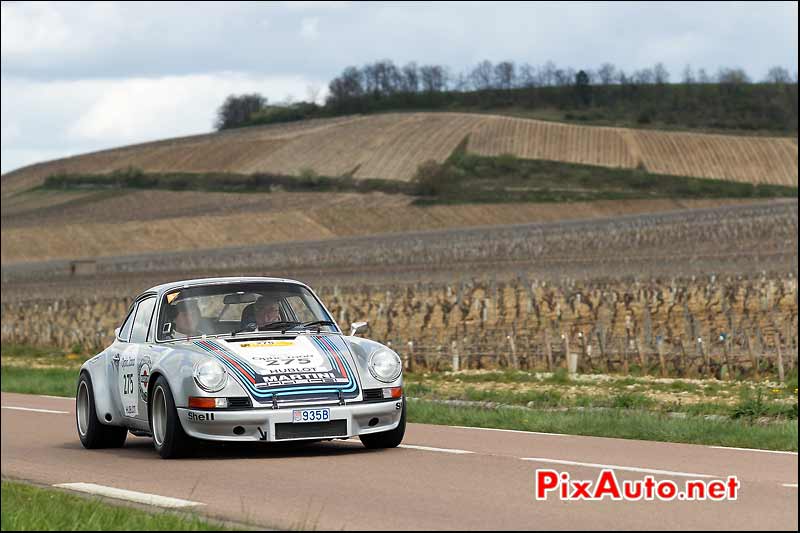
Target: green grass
52, 381
29, 508
759, 415
626, 424
463, 178
469, 178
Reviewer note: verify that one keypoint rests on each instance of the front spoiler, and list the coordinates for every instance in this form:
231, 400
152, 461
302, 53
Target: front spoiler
258, 424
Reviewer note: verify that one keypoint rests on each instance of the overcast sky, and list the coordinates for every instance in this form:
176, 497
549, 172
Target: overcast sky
78, 77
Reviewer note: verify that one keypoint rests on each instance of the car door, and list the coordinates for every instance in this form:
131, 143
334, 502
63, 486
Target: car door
121, 350
133, 363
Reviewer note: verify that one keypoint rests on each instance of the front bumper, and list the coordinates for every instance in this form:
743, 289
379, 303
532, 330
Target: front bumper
259, 424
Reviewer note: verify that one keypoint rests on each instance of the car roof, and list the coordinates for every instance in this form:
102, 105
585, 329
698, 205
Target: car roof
166, 287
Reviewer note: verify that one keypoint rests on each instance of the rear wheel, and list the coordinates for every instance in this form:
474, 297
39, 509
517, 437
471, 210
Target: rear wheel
92, 432
169, 438
387, 439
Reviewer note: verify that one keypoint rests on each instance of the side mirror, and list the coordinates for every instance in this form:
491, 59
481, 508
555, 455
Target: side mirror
355, 327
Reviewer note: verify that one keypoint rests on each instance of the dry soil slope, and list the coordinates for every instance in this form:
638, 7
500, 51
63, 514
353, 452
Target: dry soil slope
391, 146
165, 221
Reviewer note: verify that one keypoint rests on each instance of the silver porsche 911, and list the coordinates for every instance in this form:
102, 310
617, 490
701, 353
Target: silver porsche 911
238, 359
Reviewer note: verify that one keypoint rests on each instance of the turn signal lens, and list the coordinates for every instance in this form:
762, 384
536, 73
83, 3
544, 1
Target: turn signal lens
202, 403
393, 392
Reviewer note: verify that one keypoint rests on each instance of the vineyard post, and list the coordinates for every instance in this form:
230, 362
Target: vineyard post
624, 352
410, 357
602, 345
571, 359
641, 353
661, 362
548, 349
781, 375
514, 362
583, 353
753, 355
726, 347
454, 350
703, 353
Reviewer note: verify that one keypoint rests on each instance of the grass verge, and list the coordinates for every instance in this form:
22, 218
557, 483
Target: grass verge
29, 508
744, 414
616, 423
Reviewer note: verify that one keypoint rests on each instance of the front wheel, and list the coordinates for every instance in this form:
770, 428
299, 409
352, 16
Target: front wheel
387, 439
169, 438
92, 433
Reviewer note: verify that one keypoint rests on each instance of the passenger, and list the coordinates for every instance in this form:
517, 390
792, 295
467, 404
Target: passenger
187, 318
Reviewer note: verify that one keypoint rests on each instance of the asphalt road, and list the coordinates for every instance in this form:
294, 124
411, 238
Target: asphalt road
443, 477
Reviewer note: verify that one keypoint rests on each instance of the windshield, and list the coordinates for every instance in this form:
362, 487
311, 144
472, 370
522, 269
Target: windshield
240, 307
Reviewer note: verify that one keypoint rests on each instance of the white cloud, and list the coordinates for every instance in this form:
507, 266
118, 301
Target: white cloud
62, 118
309, 29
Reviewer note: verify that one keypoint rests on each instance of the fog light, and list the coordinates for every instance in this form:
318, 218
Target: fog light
392, 392
221, 403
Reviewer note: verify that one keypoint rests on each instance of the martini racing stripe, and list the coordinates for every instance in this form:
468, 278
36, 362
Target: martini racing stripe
229, 359
249, 377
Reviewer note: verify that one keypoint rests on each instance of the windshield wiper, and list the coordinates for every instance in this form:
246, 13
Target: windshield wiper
279, 326
318, 323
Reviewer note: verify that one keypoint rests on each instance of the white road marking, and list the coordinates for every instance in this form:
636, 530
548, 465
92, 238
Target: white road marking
617, 467
516, 431
430, 449
130, 495
790, 485
70, 398
751, 450
35, 410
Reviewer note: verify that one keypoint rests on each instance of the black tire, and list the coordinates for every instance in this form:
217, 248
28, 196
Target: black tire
92, 432
169, 438
387, 439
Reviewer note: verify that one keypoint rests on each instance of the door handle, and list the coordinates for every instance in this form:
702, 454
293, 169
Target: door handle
115, 358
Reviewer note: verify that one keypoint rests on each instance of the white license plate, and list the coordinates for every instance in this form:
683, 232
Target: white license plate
310, 415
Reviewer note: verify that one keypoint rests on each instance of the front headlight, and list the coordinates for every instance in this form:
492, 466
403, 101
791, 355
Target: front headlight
385, 365
210, 375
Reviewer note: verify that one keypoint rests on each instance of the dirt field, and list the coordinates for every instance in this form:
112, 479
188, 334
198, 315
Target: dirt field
393, 145
111, 223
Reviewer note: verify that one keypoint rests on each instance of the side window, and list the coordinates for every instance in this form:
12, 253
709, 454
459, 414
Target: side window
142, 321
125, 330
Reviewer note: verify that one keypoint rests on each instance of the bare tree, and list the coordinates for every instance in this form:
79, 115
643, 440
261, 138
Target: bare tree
433, 77
606, 73
312, 93
644, 76
778, 74
411, 78
688, 74
237, 110
660, 74
482, 76
547, 74
504, 75
349, 85
527, 75
703, 77
732, 76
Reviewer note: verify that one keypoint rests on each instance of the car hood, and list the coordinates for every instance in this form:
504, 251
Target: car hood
305, 367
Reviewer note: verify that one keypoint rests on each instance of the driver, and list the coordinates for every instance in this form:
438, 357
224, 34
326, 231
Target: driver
186, 318
267, 309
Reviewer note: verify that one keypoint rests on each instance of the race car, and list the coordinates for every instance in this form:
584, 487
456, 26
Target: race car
238, 359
